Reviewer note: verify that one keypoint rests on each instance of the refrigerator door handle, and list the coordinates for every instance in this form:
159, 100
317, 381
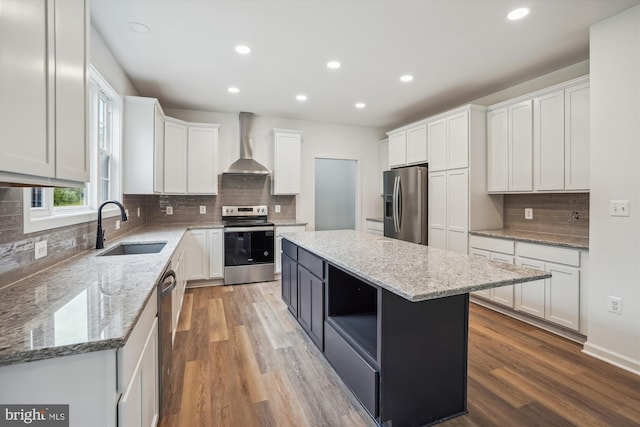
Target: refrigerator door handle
396, 183
399, 204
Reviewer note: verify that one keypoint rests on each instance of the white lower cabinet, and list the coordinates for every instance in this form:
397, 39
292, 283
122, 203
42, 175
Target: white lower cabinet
215, 240
557, 299
480, 249
530, 295
138, 405
197, 255
278, 242
205, 254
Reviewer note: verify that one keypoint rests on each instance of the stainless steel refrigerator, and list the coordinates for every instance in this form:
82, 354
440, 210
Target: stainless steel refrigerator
405, 204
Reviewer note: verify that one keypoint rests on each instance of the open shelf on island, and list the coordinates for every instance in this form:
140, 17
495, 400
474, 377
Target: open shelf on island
353, 309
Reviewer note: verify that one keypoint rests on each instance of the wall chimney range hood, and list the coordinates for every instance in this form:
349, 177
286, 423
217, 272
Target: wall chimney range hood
245, 165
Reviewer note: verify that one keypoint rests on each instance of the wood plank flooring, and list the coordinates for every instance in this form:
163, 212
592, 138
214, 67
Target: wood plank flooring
240, 359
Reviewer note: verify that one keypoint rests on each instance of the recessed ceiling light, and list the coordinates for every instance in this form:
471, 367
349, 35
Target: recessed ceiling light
242, 49
519, 13
233, 89
301, 97
334, 65
139, 27
406, 78
360, 105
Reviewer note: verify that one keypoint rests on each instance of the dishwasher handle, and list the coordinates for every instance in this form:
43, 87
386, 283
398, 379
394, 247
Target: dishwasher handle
167, 289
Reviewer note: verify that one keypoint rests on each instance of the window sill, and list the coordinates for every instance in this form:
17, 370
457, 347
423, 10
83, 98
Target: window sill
36, 224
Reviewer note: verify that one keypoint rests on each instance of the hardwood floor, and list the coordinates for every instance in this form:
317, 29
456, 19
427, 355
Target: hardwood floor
240, 359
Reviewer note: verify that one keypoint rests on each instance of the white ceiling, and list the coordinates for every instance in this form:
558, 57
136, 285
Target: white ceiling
458, 50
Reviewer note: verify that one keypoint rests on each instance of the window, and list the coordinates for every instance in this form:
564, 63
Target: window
47, 208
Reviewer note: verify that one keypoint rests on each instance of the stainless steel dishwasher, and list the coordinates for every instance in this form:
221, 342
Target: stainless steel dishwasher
165, 297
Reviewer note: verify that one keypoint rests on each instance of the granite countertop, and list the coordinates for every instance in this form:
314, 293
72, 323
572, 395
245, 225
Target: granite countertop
286, 222
375, 219
86, 303
414, 272
534, 237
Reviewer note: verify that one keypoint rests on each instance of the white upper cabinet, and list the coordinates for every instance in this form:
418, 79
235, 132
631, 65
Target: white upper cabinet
520, 147
202, 160
408, 145
548, 141
397, 149
158, 150
458, 140
175, 157
71, 33
143, 146
287, 155
437, 145
546, 146
576, 140
417, 149
498, 150
166, 155
43, 82
449, 142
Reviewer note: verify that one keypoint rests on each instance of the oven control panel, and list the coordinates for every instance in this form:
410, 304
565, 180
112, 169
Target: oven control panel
244, 210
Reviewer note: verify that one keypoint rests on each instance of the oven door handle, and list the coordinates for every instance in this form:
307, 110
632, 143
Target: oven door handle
245, 229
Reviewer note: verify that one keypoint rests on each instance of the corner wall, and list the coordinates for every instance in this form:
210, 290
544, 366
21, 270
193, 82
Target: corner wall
615, 175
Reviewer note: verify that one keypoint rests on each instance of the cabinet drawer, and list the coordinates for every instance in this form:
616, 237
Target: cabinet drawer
549, 253
490, 244
289, 249
356, 373
311, 262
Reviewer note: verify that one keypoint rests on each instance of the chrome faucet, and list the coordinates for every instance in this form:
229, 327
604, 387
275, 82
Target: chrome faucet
100, 236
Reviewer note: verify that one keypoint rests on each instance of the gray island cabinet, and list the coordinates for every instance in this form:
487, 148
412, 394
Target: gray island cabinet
391, 317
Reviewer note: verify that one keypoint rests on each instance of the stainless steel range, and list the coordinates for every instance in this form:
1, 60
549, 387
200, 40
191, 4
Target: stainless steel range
248, 245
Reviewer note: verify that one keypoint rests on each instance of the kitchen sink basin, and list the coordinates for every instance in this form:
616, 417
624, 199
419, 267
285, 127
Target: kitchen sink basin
135, 248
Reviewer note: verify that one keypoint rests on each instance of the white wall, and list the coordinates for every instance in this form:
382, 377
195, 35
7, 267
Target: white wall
107, 65
615, 175
318, 140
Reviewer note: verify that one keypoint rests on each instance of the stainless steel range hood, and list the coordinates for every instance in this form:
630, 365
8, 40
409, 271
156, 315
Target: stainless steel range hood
245, 164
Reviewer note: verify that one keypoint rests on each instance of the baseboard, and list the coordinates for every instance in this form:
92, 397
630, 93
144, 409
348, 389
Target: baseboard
612, 358
523, 317
204, 283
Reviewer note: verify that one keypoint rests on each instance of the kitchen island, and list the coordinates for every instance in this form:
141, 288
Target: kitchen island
391, 317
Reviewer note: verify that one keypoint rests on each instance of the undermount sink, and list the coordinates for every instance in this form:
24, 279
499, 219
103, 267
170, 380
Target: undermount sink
135, 248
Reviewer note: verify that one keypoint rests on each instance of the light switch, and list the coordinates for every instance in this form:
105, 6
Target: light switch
40, 249
117, 224
619, 208
277, 208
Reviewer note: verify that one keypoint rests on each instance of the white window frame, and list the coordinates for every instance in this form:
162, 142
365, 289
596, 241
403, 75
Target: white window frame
48, 217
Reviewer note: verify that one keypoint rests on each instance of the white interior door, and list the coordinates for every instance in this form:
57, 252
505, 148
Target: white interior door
335, 194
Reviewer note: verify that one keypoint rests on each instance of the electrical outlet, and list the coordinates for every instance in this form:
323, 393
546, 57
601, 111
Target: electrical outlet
203, 209
138, 212
117, 224
528, 213
169, 210
615, 304
277, 208
619, 207
41, 249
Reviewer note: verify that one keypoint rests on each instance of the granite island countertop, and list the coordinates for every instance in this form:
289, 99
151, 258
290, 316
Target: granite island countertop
575, 242
86, 303
414, 272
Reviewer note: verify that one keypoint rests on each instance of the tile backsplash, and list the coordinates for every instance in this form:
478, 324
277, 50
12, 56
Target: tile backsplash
233, 190
17, 249
552, 213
